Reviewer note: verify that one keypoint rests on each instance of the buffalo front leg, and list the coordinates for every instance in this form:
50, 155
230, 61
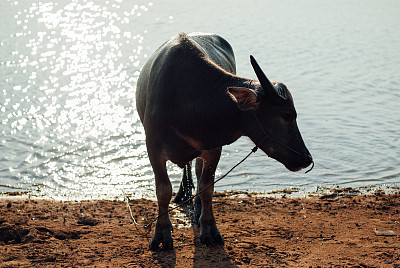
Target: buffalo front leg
209, 233
162, 233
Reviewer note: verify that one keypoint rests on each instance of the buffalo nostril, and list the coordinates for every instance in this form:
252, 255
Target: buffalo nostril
308, 158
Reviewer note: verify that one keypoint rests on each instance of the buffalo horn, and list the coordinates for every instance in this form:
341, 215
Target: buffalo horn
268, 87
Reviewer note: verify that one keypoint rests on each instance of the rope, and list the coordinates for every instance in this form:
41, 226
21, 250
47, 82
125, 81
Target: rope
266, 136
150, 222
211, 184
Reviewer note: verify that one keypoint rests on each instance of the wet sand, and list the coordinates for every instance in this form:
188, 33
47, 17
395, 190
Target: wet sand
339, 230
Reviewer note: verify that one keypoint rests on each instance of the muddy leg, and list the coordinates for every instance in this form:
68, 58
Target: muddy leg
162, 233
209, 233
186, 186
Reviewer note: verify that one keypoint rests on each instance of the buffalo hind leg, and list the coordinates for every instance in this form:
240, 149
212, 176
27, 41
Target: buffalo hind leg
186, 186
197, 200
209, 233
162, 233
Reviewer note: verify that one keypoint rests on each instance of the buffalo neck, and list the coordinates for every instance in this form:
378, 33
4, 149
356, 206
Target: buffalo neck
215, 119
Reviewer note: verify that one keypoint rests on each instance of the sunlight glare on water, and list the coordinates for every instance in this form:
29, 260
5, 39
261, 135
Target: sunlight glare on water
69, 99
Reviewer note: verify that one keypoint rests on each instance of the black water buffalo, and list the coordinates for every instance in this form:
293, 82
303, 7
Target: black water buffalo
191, 103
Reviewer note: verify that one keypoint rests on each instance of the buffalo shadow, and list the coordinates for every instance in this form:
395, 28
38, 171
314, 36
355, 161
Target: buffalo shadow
165, 258
206, 256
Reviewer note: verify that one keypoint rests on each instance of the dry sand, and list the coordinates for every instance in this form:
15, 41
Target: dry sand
341, 230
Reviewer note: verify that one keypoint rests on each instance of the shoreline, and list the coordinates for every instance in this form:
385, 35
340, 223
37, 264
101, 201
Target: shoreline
331, 230
294, 192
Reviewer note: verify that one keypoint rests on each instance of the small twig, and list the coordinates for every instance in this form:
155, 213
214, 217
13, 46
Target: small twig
147, 224
130, 212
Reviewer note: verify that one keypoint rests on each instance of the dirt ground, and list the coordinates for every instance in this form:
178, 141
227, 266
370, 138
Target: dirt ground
338, 230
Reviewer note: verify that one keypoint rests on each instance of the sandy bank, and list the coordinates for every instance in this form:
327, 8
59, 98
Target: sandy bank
349, 230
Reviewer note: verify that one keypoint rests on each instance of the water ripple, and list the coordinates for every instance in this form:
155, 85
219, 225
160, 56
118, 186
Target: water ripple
68, 72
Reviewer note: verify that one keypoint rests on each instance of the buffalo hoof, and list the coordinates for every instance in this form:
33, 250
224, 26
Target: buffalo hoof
210, 236
164, 238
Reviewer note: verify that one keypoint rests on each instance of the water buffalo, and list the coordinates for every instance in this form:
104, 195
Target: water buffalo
191, 103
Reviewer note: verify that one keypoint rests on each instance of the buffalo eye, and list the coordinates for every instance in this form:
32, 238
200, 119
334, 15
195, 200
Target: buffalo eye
288, 117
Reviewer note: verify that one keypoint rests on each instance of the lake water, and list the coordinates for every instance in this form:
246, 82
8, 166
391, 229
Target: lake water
68, 72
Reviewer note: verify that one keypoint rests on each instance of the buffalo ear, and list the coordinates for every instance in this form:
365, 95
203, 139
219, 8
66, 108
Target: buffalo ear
246, 99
